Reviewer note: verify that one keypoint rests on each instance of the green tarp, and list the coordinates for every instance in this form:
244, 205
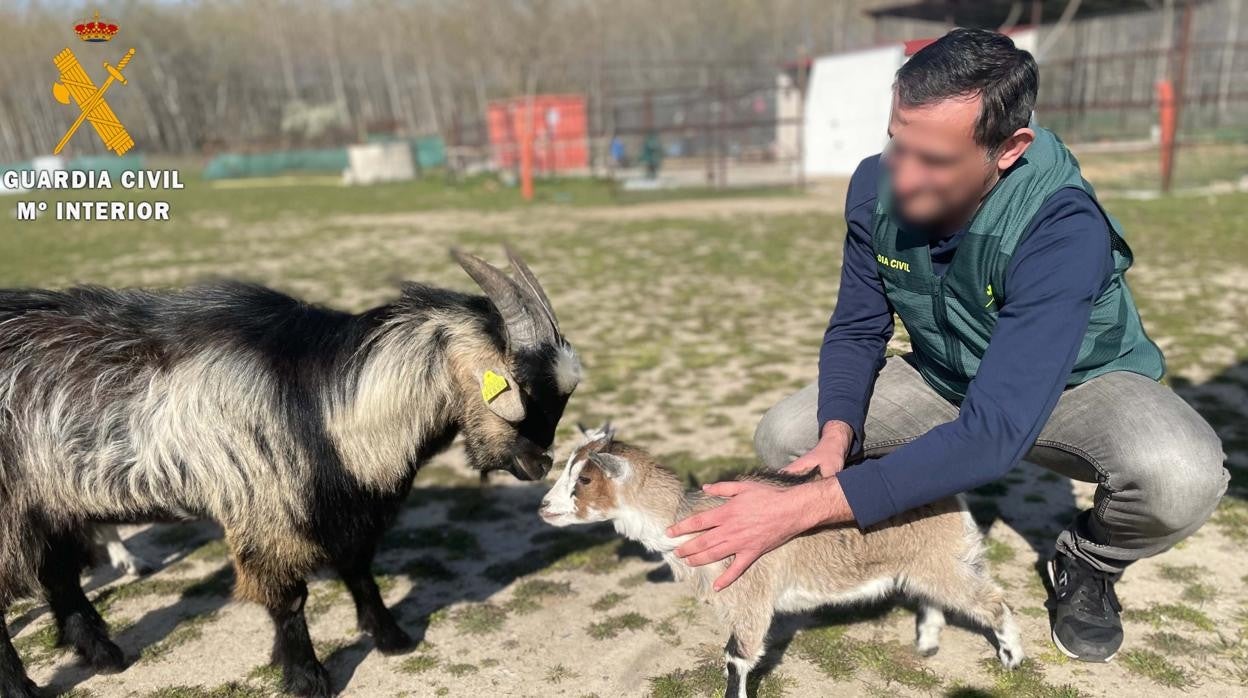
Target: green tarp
427, 152
235, 165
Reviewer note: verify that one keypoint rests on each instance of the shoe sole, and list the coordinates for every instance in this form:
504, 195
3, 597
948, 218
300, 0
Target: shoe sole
1052, 570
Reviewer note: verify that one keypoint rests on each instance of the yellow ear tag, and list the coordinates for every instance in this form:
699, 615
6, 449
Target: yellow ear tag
492, 385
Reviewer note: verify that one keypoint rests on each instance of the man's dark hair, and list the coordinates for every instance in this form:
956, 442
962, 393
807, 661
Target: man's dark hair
974, 62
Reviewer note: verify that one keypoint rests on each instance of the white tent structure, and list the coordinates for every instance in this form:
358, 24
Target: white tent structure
371, 163
848, 102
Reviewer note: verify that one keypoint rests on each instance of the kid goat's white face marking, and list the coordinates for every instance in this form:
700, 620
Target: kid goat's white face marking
559, 506
584, 493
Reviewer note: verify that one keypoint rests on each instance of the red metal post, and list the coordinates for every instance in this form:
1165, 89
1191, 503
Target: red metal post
1179, 80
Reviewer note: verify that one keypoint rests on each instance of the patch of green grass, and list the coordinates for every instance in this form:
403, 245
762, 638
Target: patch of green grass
232, 689
1156, 667
1232, 518
559, 673
841, 657
460, 670
428, 568
595, 559
216, 584
530, 594
212, 551
39, 646
419, 664
1199, 593
267, 674
612, 626
457, 542
474, 505
608, 601
1172, 644
997, 552
480, 618
189, 630
703, 680
1183, 574
1025, 681
707, 679
896, 664
20, 608
1162, 615
177, 535
829, 650
595, 551
634, 580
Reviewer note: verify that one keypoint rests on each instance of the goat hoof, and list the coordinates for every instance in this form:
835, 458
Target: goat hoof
393, 641
1010, 659
307, 681
105, 657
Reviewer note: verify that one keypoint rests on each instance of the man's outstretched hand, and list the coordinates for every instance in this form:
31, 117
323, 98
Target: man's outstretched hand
829, 454
756, 519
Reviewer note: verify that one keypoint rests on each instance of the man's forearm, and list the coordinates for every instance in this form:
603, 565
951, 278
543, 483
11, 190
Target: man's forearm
824, 503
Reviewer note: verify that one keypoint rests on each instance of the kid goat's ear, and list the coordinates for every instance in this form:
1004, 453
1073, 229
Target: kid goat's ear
606, 433
612, 465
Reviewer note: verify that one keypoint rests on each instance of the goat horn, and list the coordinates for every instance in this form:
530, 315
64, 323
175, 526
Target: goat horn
528, 282
507, 297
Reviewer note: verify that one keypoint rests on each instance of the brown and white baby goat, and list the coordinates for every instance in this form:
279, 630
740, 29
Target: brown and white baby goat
933, 554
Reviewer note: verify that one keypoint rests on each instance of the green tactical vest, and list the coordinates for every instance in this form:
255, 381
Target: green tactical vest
950, 318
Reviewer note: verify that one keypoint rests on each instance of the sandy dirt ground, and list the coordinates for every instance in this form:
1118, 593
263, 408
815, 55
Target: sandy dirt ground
692, 318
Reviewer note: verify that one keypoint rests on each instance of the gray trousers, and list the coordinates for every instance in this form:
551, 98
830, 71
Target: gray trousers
1156, 462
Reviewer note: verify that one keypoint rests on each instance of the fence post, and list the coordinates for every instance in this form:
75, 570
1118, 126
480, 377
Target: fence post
1179, 81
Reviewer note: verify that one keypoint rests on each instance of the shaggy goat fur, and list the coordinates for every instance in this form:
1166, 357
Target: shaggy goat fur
298, 428
933, 554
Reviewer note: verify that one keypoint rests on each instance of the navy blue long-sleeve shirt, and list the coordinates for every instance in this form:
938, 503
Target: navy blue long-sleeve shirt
1059, 269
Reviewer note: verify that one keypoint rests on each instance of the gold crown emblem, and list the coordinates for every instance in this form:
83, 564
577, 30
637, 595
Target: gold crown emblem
96, 30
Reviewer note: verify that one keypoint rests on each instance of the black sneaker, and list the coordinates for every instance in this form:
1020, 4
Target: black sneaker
1086, 624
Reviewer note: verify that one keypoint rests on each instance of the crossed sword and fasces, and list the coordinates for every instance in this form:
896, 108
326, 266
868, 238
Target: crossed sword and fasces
76, 83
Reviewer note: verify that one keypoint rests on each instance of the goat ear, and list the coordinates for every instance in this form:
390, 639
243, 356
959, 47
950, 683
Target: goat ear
502, 395
605, 433
614, 466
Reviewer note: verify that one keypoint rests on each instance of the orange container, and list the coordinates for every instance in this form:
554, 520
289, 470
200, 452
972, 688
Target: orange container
559, 126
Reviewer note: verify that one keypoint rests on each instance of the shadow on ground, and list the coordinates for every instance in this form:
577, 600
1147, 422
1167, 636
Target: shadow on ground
456, 545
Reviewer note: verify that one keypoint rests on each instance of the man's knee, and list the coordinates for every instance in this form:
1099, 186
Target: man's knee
1178, 485
787, 430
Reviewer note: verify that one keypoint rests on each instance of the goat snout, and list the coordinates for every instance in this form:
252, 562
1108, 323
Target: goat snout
531, 466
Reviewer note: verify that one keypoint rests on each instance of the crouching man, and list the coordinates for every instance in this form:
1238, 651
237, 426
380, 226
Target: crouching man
979, 232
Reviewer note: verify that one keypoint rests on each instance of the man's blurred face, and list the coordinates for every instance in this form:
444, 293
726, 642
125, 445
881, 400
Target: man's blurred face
938, 171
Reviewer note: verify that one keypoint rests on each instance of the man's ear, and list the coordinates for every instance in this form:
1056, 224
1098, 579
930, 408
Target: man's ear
1013, 148
500, 392
612, 465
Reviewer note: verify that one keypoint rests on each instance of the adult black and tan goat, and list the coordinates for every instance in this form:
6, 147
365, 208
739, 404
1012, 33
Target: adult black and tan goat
296, 427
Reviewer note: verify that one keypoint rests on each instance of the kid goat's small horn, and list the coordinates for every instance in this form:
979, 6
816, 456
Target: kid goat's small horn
527, 320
